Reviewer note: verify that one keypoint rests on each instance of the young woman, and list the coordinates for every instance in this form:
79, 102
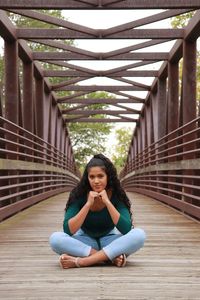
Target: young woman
98, 221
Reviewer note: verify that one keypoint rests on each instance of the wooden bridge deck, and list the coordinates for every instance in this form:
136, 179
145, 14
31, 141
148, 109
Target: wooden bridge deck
168, 267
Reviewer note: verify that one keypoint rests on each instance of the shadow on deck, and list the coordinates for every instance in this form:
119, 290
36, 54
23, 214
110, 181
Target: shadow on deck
168, 267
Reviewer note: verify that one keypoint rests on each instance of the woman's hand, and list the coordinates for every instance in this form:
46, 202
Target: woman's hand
104, 197
91, 196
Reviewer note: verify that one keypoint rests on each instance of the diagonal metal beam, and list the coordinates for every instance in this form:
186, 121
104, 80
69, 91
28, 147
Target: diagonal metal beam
61, 45
66, 83
71, 66
192, 31
55, 21
7, 29
144, 21
134, 98
72, 96
129, 66
132, 82
134, 47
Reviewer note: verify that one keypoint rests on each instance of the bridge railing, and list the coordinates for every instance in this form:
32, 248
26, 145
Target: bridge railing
30, 169
169, 170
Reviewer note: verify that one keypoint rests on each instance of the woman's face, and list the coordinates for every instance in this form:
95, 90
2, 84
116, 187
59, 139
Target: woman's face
97, 178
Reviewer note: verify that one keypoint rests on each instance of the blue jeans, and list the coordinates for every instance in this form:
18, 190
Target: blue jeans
113, 244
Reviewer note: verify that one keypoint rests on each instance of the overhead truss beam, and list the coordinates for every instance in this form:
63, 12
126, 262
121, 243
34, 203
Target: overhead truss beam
96, 4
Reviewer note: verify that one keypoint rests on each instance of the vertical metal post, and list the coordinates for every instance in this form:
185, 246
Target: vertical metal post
189, 103
39, 101
28, 108
11, 102
173, 112
11, 81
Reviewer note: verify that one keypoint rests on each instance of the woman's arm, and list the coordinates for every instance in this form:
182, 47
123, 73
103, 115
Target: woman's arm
119, 214
115, 215
77, 221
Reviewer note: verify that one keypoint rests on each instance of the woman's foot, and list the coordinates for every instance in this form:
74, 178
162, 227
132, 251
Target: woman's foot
120, 261
67, 261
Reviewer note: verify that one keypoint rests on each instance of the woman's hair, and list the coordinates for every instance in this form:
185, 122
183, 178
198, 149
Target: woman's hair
113, 183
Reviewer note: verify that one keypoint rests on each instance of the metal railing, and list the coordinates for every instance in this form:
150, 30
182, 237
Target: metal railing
30, 169
169, 170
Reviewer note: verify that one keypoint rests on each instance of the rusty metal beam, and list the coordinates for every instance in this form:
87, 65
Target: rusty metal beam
91, 88
53, 20
50, 4
25, 52
144, 21
100, 101
7, 29
40, 33
104, 4
62, 73
150, 4
71, 66
135, 47
146, 34
63, 46
73, 56
192, 31
68, 82
100, 120
99, 111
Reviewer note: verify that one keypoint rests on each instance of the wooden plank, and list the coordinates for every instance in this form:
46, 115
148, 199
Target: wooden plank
168, 267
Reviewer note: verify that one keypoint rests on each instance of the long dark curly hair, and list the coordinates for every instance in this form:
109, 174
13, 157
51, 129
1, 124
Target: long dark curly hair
83, 187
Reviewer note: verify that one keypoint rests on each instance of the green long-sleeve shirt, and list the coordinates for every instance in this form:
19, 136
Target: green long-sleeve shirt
99, 223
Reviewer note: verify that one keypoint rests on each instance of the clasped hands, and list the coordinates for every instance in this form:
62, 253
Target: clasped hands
100, 197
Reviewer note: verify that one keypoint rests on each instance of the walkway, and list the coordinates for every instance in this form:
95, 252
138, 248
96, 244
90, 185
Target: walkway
168, 267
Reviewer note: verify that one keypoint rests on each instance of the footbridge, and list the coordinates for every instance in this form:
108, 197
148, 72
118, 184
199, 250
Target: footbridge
156, 88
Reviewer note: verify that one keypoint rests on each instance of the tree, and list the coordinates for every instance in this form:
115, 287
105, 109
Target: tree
181, 20
123, 136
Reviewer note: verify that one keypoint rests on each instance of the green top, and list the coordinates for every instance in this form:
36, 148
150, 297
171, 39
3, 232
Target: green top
99, 223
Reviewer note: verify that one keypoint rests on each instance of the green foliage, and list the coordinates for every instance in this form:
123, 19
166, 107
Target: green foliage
123, 136
182, 20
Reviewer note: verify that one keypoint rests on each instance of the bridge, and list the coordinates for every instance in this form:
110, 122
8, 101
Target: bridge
37, 164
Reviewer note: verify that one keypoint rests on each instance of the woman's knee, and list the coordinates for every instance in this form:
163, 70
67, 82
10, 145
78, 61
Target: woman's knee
55, 239
139, 235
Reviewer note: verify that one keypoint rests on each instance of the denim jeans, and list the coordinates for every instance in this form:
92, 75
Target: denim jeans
113, 244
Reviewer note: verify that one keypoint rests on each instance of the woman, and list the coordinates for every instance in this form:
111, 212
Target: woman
97, 224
